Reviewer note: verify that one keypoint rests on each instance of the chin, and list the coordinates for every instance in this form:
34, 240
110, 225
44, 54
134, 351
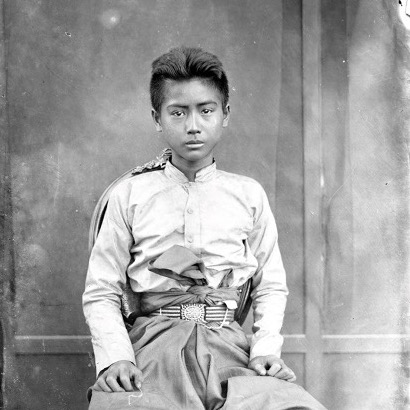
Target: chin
194, 156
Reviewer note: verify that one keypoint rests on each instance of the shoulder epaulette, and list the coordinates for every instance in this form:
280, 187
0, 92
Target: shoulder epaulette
154, 165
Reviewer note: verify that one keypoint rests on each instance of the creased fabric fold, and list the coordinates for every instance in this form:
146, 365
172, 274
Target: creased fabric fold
187, 366
182, 265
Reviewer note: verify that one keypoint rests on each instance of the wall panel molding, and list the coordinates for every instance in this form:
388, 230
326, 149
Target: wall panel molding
313, 237
394, 344
332, 344
74, 344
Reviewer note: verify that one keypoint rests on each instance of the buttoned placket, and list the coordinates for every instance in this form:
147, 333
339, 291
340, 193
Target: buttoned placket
192, 217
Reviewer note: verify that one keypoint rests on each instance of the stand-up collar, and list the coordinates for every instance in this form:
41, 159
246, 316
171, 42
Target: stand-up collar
204, 174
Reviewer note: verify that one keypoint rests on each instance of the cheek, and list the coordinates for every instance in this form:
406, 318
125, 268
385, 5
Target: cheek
215, 127
171, 132
216, 122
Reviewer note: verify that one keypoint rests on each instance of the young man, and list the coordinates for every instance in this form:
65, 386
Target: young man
188, 236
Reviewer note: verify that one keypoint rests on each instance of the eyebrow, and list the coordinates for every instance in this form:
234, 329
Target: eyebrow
186, 106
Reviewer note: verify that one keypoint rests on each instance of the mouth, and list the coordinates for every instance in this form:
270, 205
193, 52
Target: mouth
194, 143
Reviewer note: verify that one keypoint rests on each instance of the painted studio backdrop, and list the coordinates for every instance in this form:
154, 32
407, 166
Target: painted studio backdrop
320, 116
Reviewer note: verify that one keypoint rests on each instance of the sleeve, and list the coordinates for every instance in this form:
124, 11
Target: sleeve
106, 278
269, 290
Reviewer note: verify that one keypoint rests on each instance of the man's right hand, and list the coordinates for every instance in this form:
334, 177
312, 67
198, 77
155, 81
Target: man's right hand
119, 377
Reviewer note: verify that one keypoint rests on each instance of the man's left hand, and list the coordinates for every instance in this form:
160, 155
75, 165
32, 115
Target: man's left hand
272, 366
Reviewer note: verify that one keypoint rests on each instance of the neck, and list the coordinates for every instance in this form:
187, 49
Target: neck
190, 168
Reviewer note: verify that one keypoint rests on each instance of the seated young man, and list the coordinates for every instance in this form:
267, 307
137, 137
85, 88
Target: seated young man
187, 237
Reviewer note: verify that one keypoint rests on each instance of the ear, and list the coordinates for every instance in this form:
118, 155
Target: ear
157, 120
227, 113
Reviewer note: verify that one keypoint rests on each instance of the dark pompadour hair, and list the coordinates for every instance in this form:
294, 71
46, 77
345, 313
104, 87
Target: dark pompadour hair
185, 63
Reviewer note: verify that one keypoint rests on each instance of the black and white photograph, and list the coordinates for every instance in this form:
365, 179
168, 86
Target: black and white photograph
205, 204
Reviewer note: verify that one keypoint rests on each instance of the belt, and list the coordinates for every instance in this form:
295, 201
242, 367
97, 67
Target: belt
199, 313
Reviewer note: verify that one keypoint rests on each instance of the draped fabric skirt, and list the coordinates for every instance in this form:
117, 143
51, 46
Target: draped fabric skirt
187, 367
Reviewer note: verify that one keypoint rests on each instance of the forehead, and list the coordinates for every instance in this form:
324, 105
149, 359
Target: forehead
190, 92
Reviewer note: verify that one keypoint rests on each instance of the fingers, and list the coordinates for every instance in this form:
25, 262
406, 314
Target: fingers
119, 377
284, 373
272, 366
125, 380
101, 385
107, 383
136, 377
113, 383
266, 365
275, 368
287, 375
260, 369
258, 365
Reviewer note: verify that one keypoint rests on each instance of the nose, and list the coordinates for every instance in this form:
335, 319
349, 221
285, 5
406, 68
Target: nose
192, 124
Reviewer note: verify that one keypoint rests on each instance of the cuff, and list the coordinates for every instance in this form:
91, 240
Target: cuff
268, 345
106, 357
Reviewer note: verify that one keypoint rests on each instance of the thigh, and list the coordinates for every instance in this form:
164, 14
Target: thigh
143, 400
267, 393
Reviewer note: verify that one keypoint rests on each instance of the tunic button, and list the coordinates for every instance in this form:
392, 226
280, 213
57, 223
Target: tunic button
190, 211
189, 239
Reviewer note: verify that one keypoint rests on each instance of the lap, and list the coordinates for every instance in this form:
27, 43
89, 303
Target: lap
187, 366
243, 393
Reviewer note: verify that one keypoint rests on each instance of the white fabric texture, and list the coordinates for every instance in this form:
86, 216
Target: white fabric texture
224, 218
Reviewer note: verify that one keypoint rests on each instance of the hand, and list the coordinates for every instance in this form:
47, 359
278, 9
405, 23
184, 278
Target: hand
272, 366
119, 377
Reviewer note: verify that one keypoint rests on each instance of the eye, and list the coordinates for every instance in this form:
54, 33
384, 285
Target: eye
207, 111
177, 113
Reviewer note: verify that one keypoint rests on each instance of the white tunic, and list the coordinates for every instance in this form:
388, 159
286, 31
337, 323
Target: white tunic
224, 218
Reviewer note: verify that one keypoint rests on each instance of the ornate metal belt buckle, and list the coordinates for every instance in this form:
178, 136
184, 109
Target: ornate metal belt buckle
193, 311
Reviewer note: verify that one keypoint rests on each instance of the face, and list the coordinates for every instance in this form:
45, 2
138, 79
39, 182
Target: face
192, 120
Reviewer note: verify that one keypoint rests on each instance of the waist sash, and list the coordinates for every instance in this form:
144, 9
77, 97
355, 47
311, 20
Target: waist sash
186, 268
